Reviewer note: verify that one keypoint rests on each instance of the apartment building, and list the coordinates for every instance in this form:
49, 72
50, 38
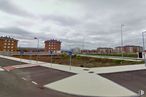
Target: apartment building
104, 50
52, 45
128, 49
8, 44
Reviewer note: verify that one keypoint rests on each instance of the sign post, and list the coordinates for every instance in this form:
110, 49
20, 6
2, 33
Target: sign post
70, 54
21, 53
51, 52
30, 56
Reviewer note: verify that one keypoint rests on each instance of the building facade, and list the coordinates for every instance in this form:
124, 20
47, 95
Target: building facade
76, 50
8, 44
128, 49
52, 45
104, 50
89, 51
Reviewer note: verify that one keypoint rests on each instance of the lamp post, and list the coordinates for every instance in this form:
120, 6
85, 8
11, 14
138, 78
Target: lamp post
122, 25
51, 57
83, 44
143, 40
37, 48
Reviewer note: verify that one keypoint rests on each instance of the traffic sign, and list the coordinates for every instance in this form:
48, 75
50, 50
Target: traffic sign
21, 52
50, 52
70, 53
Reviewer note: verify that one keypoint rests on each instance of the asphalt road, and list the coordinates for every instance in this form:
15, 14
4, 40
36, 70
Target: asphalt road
7, 62
133, 80
12, 85
41, 75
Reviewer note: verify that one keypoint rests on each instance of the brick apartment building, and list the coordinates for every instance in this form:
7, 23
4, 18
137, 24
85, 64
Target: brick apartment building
52, 45
104, 50
89, 51
101, 50
8, 44
128, 49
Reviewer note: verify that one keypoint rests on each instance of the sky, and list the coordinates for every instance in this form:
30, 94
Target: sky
86, 24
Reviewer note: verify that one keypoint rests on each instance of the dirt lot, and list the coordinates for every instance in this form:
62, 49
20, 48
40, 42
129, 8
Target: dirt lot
81, 61
133, 80
7, 62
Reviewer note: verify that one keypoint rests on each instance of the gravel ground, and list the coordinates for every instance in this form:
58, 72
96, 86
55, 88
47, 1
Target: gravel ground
7, 62
133, 80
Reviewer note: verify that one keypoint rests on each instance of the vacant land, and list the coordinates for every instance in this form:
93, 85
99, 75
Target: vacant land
7, 62
132, 55
81, 61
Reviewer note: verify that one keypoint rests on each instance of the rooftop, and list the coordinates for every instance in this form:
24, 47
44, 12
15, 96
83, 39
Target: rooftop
53, 40
7, 38
128, 46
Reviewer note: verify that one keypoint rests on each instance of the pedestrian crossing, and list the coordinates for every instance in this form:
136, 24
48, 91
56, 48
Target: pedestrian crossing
10, 68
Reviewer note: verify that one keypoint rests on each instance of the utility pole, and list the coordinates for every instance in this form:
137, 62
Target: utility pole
143, 40
122, 25
37, 49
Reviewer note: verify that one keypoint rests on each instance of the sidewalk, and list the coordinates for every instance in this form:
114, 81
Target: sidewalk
86, 84
113, 69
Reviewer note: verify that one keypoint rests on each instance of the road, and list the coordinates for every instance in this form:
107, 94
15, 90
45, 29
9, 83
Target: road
133, 80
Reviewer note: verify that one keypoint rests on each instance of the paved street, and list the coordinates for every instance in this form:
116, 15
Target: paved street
133, 80
11, 85
41, 75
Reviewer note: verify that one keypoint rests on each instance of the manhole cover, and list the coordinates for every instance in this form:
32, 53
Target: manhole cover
86, 69
91, 72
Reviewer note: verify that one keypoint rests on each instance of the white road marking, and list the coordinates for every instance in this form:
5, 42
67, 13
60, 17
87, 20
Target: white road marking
1, 69
34, 83
24, 78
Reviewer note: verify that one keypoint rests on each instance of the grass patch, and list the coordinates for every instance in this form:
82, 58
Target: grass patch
133, 55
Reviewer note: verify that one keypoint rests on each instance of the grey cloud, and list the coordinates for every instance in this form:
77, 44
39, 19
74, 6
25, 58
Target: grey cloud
24, 36
100, 27
8, 7
62, 20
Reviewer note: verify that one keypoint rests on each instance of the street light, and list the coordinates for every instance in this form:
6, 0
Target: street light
37, 48
144, 46
122, 25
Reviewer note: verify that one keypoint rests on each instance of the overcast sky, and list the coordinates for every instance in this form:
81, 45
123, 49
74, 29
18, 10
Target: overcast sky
93, 22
